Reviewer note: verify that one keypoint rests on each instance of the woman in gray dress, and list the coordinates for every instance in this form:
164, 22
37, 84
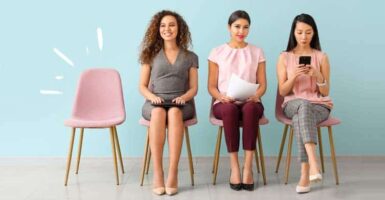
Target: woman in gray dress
168, 73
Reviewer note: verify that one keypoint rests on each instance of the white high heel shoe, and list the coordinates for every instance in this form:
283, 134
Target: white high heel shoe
315, 178
302, 189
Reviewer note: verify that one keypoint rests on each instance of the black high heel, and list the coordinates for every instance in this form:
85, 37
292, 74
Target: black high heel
248, 187
235, 186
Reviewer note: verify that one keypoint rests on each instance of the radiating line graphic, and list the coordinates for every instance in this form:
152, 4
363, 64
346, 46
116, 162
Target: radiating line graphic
63, 56
51, 92
100, 38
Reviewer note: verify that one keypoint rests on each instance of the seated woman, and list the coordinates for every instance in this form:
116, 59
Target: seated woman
247, 62
168, 73
305, 87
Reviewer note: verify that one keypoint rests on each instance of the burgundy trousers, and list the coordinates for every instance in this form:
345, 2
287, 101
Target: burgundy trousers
233, 116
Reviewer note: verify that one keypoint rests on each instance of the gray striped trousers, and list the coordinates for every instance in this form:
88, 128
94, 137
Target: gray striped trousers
305, 116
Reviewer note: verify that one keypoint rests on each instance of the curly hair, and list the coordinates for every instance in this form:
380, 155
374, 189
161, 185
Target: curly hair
152, 42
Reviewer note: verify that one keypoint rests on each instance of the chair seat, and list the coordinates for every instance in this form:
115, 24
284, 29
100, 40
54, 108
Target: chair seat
187, 123
329, 122
218, 122
97, 123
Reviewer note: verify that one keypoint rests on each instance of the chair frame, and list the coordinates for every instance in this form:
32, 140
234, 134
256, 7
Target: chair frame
259, 160
115, 152
289, 149
147, 156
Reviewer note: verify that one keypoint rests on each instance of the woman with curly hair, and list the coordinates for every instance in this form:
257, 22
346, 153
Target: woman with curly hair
168, 73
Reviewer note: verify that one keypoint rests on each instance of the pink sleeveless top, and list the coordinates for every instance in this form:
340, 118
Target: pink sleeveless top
305, 87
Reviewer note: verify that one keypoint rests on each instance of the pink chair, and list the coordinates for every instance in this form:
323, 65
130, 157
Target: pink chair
217, 122
327, 123
98, 104
147, 152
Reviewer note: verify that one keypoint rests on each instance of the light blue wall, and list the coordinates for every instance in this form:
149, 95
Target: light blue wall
31, 124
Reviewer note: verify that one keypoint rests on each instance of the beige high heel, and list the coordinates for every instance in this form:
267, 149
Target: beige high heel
158, 190
171, 191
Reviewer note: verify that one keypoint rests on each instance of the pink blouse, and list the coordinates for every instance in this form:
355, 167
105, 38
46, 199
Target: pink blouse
305, 87
242, 62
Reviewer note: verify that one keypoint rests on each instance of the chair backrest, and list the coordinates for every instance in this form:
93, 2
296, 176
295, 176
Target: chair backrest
99, 95
278, 106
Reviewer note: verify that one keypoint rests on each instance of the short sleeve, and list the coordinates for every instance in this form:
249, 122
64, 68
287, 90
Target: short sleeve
194, 60
213, 56
261, 56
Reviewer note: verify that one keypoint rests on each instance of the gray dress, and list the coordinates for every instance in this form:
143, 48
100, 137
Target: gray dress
170, 81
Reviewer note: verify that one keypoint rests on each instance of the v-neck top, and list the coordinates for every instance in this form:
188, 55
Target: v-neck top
170, 78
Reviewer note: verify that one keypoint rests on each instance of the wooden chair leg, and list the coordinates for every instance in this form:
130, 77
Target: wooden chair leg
288, 157
112, 133
118, 148
69, 156
281, 147
148, 160
189, 156
257, 160
261, 157
321, 154
145, 157
217, 156
333, 154
215, 152
79, 149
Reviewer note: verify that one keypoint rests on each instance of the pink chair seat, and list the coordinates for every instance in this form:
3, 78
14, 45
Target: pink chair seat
283, 119
96, 123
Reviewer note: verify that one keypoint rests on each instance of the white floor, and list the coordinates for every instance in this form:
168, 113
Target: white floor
43, 179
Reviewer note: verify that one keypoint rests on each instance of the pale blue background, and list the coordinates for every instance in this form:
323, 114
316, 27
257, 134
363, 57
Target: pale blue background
31, 124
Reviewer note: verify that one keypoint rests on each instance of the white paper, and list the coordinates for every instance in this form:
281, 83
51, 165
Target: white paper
240, 89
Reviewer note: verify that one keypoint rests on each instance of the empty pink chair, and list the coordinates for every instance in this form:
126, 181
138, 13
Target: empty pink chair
98, 104
147, 152
331, 121
217, 122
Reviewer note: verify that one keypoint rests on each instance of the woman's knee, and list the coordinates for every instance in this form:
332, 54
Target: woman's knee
304, 105
158, 112
229, 109
174, 112
253, 108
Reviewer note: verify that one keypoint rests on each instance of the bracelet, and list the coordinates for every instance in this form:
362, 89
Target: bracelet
321, 84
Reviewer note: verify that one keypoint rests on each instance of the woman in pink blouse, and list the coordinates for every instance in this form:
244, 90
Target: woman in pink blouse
306, 91
247, 62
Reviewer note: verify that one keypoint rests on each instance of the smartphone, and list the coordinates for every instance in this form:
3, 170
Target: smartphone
304, 60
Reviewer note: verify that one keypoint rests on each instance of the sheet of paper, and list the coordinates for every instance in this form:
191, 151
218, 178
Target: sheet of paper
240, 89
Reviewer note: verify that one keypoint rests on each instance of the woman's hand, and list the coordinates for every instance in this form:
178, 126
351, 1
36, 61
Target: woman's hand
179, 100
225, 99
254, 98
313, 72
156, 100
301, 70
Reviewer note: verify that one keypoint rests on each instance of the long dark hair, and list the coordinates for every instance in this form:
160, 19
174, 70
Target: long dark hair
152, 42
307, 19
239, 14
